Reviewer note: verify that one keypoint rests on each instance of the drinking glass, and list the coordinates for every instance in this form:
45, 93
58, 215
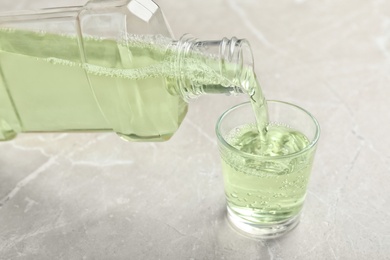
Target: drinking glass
265, 194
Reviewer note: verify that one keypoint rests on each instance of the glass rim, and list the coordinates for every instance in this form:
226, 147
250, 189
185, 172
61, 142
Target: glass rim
245, 154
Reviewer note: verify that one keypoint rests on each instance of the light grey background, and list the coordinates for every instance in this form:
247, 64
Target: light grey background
94, 196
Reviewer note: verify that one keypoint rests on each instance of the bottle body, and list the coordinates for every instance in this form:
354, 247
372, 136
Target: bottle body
73, 79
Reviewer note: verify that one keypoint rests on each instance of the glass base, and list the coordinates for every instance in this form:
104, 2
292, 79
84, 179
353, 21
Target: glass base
261, 231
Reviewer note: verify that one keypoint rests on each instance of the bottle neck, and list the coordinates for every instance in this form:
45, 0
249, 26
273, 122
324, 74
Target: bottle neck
212, 67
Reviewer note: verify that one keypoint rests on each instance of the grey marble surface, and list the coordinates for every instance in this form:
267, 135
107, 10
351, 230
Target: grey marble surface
94, 196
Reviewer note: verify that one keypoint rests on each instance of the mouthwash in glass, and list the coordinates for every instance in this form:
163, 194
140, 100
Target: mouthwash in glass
266, 189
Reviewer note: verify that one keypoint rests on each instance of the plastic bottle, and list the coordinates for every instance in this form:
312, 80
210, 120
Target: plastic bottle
109, 66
